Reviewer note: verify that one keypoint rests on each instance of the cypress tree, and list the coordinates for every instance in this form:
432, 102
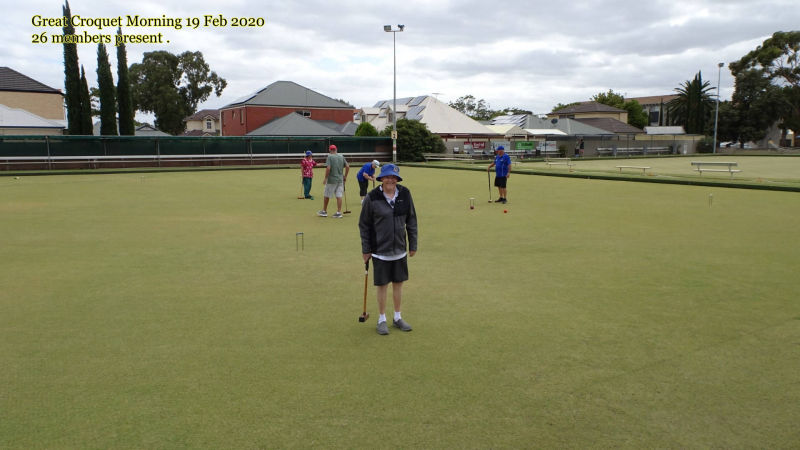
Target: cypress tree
105, 82
72, 83
85, 107
127, 127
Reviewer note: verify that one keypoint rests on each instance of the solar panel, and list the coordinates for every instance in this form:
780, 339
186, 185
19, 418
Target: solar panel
417, 100
414, 112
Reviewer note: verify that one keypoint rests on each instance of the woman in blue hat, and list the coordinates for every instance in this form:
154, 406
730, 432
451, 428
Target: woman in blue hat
387, 223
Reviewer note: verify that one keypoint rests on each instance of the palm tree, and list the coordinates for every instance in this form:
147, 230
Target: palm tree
693, 106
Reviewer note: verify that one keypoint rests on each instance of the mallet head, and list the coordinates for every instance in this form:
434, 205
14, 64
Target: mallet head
363, 317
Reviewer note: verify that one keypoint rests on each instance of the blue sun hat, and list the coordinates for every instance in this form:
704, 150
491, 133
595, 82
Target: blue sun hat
308, 152
390, 170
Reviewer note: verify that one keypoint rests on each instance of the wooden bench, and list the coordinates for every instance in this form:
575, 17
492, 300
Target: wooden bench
559, 162
700, 166
643, 168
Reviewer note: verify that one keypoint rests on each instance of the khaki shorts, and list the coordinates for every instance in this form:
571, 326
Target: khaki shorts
334, 190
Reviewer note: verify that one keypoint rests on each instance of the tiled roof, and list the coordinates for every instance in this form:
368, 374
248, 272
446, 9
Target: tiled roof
11, 80
613, 125
295, 125
288, 93
202, 114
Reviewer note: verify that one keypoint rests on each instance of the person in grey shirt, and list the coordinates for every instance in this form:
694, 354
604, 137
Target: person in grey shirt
335, 176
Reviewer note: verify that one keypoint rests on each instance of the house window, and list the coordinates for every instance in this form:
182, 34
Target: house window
208, 124
304, 113
241, 118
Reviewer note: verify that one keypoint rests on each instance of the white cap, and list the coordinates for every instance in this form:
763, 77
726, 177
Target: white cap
375, 161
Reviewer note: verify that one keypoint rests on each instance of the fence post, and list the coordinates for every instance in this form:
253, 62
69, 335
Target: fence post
49, 160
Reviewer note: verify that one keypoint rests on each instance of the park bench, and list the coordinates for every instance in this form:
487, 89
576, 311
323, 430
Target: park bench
642, 168
559, 162
658, 150
611, 151
703, 166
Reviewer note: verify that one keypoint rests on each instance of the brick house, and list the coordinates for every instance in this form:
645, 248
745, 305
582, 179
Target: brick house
203, 123
277, 100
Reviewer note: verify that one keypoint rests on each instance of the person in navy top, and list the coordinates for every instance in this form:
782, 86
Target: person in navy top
502, 169
366, 173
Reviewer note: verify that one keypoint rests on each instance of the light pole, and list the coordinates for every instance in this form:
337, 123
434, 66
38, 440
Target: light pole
716, 114
388, 29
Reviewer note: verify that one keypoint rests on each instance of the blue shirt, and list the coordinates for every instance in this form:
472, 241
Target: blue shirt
366, 168
502, 165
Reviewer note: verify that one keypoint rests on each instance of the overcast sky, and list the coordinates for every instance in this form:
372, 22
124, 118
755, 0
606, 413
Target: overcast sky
525, 54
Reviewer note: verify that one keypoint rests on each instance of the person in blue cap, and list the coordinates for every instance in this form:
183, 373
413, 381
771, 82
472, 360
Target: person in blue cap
307, 171
388, 227
364, 175
502, 167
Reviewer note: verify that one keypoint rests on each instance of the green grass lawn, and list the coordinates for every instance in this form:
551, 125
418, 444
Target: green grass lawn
166, 310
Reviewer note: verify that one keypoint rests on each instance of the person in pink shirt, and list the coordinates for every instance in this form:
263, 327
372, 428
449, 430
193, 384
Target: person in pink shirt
307, 169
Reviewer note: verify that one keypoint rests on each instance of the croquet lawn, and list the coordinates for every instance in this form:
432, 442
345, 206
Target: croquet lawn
177, 310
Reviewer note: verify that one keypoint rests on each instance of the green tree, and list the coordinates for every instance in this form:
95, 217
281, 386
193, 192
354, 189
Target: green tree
345, 102
561, 106
86, 127
72, 77
366, 129
758, 104
476, 109
728, 122
414, 139
776, 60
105, 83
694, 106
171, 86
94, 98
124, 100
636, 115
609, 98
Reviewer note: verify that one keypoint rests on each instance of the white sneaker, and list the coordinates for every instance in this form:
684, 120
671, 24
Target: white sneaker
322, 213
337, 215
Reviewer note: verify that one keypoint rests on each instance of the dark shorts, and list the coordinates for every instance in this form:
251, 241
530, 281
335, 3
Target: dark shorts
500, 181
386, 272
363, 185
